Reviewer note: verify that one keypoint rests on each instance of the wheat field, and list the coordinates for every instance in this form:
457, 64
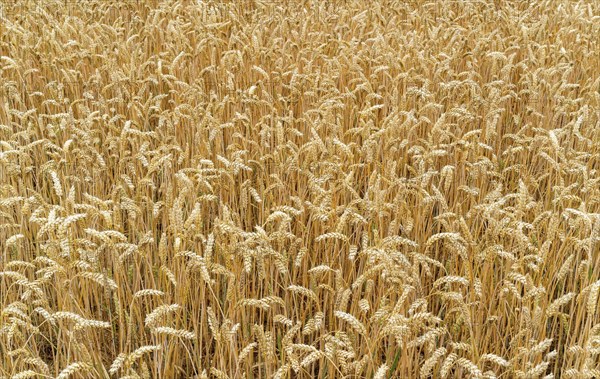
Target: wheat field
300, 189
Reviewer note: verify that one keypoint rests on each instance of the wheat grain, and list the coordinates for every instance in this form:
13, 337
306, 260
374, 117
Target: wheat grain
72, 369
353, 321
174, 332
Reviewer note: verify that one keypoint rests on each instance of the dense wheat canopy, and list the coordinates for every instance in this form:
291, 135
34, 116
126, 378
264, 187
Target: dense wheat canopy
300, 189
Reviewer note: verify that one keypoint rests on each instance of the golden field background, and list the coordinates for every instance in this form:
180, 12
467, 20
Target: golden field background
300, 189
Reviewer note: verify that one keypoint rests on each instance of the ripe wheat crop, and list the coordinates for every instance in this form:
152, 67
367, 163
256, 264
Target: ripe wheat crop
299, 189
